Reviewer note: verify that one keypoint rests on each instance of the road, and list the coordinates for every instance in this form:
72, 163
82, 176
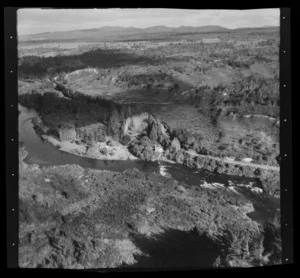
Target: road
148, 102
261, 166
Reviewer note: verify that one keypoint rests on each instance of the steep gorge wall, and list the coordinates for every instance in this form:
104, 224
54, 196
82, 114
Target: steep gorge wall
67, 134
136, 124
145, 122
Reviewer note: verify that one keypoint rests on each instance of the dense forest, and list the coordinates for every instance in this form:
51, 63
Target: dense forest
79, 110
33, 66
251, 95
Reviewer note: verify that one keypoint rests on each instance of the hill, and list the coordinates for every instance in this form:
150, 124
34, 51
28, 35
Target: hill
112, 32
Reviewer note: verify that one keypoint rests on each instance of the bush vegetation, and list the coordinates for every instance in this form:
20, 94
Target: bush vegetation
50, 66
251, 95
81, 110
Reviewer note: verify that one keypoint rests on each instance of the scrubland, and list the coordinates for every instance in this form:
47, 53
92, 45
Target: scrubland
77, 218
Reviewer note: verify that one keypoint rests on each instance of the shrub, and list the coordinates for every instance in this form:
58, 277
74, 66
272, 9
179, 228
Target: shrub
125, 140
103, 151
114, 123
100, 135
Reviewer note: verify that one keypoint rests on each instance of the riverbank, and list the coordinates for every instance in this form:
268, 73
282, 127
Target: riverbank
268, 176
77, 218
100, 150
113, 150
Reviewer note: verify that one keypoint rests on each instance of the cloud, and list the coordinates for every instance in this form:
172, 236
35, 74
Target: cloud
51, 20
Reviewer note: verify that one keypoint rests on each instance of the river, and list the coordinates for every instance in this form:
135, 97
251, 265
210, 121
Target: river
45, 154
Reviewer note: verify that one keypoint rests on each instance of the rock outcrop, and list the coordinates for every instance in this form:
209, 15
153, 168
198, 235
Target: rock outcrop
67, 134
175, 144
136, 124
148, 124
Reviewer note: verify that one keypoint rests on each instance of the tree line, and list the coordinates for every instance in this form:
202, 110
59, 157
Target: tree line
99, 58
80, 111
251, 95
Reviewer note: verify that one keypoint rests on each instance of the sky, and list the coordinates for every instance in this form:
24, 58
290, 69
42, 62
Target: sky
33, 21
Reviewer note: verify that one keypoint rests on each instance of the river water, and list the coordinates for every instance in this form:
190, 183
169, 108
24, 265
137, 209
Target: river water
45, 154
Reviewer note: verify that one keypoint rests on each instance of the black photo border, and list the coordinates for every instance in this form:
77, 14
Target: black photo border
11, 133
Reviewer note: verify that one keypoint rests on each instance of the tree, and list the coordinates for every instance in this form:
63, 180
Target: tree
153, 133
125, 140
113, 123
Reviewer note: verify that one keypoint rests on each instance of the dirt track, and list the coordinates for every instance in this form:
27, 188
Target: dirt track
265, 167
148, 102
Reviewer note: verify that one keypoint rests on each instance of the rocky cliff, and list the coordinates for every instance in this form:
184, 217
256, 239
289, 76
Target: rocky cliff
136, 124
145, 123
67, 134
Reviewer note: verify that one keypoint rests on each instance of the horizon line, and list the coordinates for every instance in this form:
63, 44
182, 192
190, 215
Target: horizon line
72, 30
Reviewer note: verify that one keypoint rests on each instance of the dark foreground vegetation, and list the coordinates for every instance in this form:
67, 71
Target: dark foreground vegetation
76, 218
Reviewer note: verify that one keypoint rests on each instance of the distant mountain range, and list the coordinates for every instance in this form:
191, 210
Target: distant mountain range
110, 32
